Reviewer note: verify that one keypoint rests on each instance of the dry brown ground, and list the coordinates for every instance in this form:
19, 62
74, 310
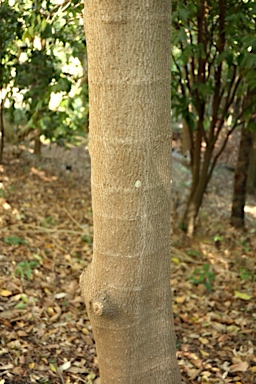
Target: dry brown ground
46, 241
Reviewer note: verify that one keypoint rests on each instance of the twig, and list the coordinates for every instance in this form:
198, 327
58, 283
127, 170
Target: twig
175, 252
59, 373
197, 373
42, 230
73, 219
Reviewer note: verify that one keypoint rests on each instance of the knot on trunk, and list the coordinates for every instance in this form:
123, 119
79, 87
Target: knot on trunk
99, 302
102, 305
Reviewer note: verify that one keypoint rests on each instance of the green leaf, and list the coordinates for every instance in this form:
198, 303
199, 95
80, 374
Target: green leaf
53, 367
222, 56
31, 31
43, 25
193, 252
63, 85
230, 58
24, 268
2, 193
21, 305
217, 238
25, 35
14, 240
87, 239
203, 276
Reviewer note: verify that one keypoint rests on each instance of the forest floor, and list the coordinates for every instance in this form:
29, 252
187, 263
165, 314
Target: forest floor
46, 239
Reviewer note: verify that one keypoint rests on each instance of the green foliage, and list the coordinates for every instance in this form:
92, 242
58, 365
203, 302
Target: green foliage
87, 239
218, 238
48, 221
199, 51
213, 75
10, 32
24, 268
193, 252
183, 226
246, 274
43, 61
203, 276
14, 240
22, 304
2, 193
246, 245
90, 378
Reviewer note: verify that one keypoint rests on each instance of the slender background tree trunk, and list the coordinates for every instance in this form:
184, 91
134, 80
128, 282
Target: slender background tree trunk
240, 180
127, 286
37, 142
251, 186
1, 130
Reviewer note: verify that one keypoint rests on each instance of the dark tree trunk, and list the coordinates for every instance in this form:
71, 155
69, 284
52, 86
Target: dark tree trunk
1, 130
37, 143
202, 141
198, 188
240, 180
251, 185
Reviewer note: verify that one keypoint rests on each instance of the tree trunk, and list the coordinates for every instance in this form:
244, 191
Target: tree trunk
37, 143
1, 101
127, 286
198, 188
240, 180
1, 130
251, 185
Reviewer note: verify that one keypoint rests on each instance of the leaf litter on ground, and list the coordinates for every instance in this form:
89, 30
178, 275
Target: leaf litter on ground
46, 241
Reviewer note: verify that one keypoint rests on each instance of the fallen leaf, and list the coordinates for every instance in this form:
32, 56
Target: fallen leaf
221, 328
78, 370
232, 329
4, 367
175, 260
6, 323
22, 333
242, 295
204, 340
204, 353
22, 359
60, 295
5, 293
180, 299
239, 367
53, 367
51, 311
17, 371
65, 366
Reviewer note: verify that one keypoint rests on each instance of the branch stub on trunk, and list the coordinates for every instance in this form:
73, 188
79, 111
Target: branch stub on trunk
103, 306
